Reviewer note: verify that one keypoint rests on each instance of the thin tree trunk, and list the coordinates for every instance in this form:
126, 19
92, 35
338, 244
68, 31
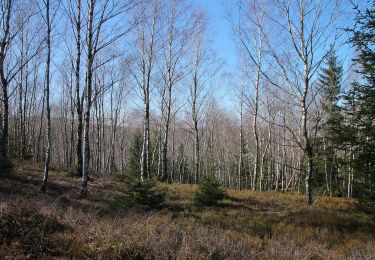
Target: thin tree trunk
308, 148
166, 132
240, 161
326, 166
79, 99
4, 81
196, 129
48, 110
86, 153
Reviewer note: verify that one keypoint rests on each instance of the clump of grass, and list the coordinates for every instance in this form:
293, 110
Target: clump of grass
179, 192
25, 231
332, 220
27, 166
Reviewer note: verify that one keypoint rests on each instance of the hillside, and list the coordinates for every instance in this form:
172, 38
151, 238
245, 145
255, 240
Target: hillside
246, 225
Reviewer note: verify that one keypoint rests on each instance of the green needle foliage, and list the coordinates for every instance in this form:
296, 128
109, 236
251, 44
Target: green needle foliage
360, 109
210, 191
143, 194
135, 153
6, 166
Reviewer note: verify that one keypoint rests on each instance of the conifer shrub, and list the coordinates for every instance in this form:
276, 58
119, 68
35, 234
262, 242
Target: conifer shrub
210, 191
6, 166
142, 194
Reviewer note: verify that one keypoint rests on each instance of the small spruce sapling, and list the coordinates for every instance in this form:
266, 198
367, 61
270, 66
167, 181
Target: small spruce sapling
210, 191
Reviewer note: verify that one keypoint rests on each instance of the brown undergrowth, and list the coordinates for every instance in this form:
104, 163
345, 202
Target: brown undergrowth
245, 225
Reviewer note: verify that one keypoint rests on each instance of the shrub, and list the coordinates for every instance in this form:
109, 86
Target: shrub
209, 191
144, 194
6, 166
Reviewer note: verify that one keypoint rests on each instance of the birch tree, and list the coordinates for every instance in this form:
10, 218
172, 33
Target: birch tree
176, 38
306, 34
10, 59
145, 57
242, 142
203, 69
48, 22
312, 35
196, 91
99, 14
74, 13
251, 48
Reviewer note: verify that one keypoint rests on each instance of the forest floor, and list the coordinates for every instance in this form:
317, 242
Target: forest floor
268, 225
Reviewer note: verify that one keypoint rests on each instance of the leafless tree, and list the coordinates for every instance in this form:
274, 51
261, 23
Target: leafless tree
307, 30
142, 74
10, 59
176, 37
99, 14
48, 22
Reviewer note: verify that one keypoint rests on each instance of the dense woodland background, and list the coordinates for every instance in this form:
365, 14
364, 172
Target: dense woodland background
131, 87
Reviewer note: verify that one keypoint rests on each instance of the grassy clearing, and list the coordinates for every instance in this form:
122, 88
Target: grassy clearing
245, 225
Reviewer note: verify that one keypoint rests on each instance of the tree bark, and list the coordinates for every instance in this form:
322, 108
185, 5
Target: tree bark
4, 82
47, 106
240, 161
79, 99
88, 97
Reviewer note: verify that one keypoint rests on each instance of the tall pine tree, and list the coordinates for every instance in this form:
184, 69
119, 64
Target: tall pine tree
360, 107
330, 83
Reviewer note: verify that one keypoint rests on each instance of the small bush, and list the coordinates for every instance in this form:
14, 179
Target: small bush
6, 166
209, 191
143, 194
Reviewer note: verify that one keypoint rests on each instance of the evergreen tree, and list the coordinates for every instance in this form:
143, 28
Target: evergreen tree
330, 83
360, 107
137, 193
210, 191
135, 155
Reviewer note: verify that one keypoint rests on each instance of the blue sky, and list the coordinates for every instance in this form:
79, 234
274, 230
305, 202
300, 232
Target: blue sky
221, 33
222, 37
224, 44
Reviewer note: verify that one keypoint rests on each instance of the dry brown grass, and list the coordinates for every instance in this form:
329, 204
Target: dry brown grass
246, 225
